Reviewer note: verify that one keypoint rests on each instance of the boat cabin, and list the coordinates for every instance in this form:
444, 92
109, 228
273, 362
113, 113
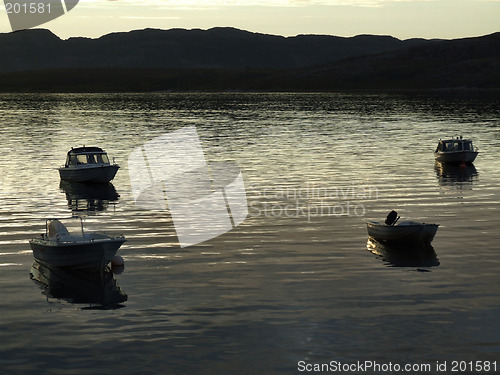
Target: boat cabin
86, 156
455, 145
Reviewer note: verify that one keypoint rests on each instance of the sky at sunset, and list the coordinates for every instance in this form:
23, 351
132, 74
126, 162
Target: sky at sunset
401, 18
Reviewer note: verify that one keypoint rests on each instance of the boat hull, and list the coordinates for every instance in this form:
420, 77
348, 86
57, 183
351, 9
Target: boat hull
456, 157
97, 174
416, 233
94, 254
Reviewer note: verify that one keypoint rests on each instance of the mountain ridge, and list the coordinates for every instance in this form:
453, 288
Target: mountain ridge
222, 59
219, 48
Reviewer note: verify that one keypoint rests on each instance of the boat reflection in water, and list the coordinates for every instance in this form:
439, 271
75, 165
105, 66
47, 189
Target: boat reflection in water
95, 287
404, 254
455, 175
89, 197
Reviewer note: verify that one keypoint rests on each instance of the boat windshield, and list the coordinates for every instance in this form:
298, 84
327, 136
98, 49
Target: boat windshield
81, 159
455, 145
452, 146
102, 158
87, 159
71, 160
446, 146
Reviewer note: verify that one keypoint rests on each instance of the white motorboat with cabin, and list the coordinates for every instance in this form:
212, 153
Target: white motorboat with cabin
88, 164
457, 151
76, 248
406, 231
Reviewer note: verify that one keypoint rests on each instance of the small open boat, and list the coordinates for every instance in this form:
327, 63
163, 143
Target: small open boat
88, 164
62, 248
406, 231
455, 151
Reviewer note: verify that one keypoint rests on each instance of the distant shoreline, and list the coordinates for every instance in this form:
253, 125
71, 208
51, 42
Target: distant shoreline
200, 80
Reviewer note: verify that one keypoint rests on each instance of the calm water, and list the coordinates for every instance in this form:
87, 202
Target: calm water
295, 282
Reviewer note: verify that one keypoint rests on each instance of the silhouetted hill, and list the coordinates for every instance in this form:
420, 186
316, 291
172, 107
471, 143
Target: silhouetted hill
229, 59
217, 48
460, 63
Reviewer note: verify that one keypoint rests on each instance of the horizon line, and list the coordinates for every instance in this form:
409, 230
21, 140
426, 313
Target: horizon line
244, 30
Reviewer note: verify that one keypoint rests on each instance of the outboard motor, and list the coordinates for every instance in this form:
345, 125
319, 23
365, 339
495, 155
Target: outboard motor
392, 218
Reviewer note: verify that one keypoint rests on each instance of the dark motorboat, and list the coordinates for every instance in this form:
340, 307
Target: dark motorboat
455, 151
78, 249
406, 231
88, 164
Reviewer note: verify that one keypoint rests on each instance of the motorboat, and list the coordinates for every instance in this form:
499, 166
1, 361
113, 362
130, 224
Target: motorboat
455, 151
88, 164
95, 287
75, 248
406, 231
